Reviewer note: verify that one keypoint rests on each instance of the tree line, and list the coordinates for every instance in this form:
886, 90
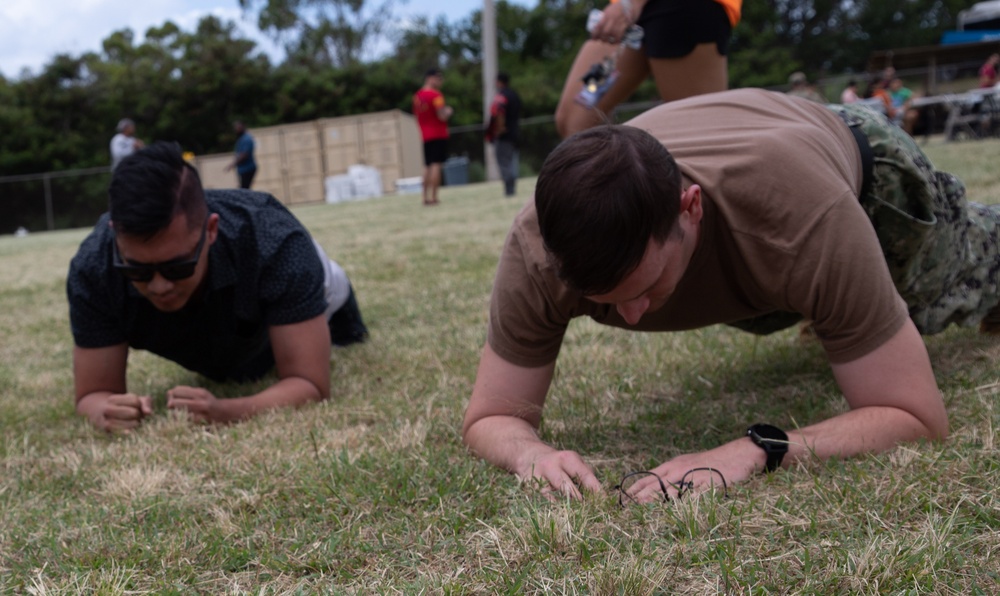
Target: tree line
189, 86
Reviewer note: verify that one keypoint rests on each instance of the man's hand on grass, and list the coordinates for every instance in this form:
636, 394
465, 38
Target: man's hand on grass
199, 403
735, 462
116, 412
562, 473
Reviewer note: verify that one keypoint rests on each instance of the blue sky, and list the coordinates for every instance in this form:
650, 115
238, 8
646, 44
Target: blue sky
33, 31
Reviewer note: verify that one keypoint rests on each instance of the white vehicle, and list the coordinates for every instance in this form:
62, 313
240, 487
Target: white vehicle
982, 16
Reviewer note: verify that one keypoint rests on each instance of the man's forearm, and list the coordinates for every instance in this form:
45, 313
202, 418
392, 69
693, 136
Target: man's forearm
507, 442
864, 430
286, 393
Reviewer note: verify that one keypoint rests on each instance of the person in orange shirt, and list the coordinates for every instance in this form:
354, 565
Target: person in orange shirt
432, 117
682, 43
879, 88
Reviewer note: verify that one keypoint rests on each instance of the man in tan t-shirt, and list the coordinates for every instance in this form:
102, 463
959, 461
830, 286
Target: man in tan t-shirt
752, 219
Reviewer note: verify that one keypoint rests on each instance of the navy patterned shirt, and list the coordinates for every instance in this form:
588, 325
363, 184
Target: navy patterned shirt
263, 270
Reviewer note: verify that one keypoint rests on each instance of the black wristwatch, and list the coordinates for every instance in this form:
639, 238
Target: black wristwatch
772, 440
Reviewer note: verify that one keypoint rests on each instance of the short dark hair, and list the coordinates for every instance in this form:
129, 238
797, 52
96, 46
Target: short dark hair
150, 187
504, 78
432, 72
601, 196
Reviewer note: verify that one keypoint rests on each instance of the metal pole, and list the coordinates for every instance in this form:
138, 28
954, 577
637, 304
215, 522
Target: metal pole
489, 82
49, 217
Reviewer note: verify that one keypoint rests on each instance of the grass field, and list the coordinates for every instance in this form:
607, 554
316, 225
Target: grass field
373, 492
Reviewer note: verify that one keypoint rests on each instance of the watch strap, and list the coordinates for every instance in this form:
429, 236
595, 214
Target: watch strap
773, 441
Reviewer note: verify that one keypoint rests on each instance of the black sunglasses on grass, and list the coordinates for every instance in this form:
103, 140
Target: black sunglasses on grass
174, 270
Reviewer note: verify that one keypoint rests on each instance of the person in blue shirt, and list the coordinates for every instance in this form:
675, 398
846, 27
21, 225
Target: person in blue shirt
244, 162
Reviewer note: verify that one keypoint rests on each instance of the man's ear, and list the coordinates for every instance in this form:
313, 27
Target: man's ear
212, 228
691, 202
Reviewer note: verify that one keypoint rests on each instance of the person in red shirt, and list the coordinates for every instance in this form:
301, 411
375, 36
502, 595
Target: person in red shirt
432, 117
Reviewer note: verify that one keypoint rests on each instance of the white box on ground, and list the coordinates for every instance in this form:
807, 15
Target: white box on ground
410, 186
339, 188
367, 181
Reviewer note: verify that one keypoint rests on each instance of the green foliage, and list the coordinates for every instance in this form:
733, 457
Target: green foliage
777, 37
329, 32
189, 86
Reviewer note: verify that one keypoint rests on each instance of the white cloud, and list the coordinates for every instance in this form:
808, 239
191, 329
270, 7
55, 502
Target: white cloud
32, 32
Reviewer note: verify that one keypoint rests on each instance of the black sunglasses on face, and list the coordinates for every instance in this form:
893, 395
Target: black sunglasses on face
174, 270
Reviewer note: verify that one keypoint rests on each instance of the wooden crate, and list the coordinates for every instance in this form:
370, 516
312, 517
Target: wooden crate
212, 171
294, 160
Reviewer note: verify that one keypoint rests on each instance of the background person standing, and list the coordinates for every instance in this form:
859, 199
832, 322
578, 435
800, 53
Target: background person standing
988, 72
905, 115
432, 117
850, 93
124, 143
505, 116
800, 87
684, 47
246, 166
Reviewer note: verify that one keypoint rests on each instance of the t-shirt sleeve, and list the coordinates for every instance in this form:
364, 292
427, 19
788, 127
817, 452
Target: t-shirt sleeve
292, 281
842, 283
94, 320
528, 308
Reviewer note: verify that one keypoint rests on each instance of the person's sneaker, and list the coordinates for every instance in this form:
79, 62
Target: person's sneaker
346, 326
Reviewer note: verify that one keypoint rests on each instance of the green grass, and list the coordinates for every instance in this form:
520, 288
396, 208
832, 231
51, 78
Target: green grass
373, 492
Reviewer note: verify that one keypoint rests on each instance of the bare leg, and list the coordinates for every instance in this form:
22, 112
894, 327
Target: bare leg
426, 190
433, 181
573, 117
704, 70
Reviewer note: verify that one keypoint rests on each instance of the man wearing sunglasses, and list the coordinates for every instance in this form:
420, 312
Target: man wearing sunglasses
227, 284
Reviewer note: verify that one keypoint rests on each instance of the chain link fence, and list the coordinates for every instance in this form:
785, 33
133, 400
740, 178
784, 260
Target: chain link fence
53, 200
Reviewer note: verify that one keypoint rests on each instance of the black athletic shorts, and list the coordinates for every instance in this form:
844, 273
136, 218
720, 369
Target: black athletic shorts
435, 151
673, 27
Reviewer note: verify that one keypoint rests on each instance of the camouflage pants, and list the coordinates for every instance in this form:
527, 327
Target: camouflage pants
943, 252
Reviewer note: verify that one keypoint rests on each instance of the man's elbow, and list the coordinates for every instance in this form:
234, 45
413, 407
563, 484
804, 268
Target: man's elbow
928, 426
937, 428
474, 430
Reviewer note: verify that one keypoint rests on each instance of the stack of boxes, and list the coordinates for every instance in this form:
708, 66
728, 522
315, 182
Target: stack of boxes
328, 159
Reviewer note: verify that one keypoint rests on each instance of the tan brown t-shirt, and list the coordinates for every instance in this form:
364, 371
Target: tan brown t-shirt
782, 231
